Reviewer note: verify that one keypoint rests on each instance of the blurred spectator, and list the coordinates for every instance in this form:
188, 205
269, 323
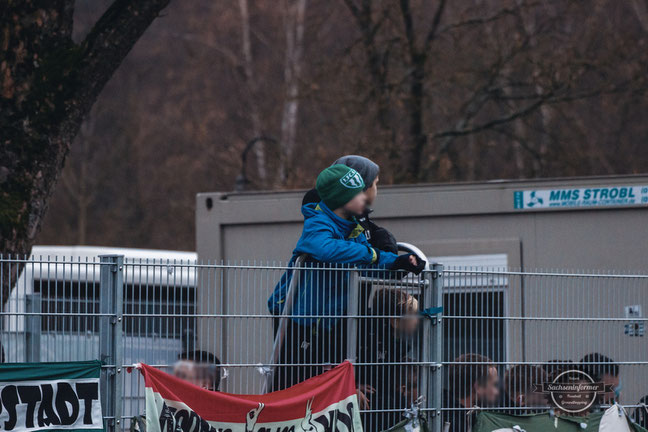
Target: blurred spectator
409, 388
389, 339
201, 368
603, 369
474, 382
519, 386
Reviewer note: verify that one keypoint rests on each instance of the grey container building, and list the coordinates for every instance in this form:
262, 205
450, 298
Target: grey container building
577, 225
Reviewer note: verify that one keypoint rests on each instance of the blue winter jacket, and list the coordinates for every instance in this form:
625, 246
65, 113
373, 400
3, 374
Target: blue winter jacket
326, 238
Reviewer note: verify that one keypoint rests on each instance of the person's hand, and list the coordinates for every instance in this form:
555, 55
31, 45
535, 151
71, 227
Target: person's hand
410, 263
363, 400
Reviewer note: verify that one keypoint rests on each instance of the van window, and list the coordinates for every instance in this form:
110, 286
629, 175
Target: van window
146, 308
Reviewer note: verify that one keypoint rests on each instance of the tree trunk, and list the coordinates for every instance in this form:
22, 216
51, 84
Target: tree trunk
255, 116
48, 86
641, 10
295, 15
418, 136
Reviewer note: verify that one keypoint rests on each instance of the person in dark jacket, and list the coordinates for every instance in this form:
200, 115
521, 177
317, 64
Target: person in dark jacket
603, 369
331, 235
385, 348
378, 236
474, 384
520, 395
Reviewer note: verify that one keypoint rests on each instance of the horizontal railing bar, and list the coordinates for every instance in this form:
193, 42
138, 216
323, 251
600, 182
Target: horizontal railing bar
449, 272
69, 314
162, 315
42, 261
400, 283
566, 363
484, 317
410, 363
258, 316
257, 365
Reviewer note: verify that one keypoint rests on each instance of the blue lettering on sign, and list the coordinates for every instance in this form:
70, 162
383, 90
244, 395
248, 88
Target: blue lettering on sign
596, 191
581, 197
564, 195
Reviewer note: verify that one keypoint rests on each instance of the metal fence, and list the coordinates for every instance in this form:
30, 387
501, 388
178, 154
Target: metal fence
438, 344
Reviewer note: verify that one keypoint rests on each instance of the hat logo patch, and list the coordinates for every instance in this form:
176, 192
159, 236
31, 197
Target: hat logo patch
352, 180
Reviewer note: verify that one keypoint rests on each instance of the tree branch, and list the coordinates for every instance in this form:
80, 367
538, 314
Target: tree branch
108, 43
492, 123
406, 13
435, 24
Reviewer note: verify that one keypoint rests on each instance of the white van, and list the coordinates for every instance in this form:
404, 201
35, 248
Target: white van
52, 311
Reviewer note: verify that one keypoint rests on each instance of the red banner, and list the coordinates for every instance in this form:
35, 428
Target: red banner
327, 402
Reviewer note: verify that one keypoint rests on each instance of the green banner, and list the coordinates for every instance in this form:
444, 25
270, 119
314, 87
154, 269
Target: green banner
613, 419
410, 426
50, 396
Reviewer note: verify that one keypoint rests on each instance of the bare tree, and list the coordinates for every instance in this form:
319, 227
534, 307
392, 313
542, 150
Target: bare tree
79, 182
251, 84
641, 9
294, 30
49, 84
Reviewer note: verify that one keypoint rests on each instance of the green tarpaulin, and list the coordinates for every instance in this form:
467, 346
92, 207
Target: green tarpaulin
409, 426
611, 420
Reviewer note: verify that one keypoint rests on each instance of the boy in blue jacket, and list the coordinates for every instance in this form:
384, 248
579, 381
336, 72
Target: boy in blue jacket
331, 235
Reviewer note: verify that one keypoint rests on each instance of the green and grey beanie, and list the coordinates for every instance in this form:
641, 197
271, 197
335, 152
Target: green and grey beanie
338, 184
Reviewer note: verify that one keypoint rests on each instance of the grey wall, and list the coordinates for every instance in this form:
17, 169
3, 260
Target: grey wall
265, 226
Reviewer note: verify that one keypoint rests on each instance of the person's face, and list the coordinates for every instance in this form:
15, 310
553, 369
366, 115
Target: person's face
186, 370
357, 205
610, 397
488, 392
409, 324
372, 192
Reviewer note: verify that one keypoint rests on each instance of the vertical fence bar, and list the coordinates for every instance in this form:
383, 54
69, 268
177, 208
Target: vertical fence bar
427, 347
33, 327
352, 311
436, 382
111, 291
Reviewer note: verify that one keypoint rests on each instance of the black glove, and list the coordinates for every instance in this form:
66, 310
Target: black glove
403, 263
382, 239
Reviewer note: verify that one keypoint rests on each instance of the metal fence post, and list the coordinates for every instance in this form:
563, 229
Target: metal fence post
352, 311
436, 382
33, 327
427, 302
111, 292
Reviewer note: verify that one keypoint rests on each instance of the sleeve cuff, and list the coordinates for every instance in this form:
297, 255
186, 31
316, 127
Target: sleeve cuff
374, 256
